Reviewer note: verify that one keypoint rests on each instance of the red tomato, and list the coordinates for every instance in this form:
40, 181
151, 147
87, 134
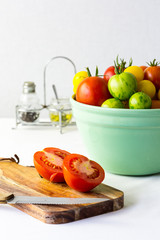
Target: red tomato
143, 67
153, 74
155, 104
92, 91
82, 174
48, 163
109, 73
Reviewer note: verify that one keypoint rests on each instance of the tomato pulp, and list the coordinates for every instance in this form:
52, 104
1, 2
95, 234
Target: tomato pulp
82, 174
48, 163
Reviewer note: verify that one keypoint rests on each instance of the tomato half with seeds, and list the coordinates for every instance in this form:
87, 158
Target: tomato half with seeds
48, 163
82, 174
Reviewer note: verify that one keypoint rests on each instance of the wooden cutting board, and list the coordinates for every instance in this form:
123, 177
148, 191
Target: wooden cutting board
21, 180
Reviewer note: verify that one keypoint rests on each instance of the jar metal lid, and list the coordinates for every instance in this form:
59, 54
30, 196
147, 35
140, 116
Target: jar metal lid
29, 87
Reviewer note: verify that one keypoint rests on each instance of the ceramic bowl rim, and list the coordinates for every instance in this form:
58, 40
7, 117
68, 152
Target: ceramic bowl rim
117, 111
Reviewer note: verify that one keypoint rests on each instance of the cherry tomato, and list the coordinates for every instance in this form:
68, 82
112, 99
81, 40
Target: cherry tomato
143, 67
82, 174
112, 103
92, 91
48, 163
109, 73
158, 94
147, 87
122, 86
78, 78
140, 100
136, 71
126, 103
155, 104
152, 73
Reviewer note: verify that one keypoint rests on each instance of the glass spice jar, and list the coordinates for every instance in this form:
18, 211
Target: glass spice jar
60, 111
29, 106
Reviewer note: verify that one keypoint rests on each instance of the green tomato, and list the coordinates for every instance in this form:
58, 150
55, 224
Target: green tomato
122, 86
112, 103
140, 100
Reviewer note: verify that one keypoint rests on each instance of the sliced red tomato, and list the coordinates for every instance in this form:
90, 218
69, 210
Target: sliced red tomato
82, 174
48, 163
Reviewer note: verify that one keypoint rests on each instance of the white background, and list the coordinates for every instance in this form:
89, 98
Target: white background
89, 32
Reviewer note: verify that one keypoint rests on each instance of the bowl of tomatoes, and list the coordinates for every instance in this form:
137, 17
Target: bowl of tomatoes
120, 133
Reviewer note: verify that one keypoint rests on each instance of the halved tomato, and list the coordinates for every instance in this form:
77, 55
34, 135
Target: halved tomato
48, 163
82, 174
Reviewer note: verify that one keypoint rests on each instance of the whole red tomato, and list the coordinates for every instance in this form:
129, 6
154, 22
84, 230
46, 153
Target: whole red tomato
152, 73
143, 67
92, 91
109, 73
48, 163
82, 174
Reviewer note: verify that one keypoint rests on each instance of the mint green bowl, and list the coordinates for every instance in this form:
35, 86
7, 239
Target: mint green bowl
122, 141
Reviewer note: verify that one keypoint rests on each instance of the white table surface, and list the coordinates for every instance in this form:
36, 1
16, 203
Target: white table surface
139, 219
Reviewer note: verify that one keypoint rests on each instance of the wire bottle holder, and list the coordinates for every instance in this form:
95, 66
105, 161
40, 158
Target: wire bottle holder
29, 117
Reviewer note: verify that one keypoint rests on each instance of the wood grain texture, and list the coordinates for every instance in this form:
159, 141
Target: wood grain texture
21, 180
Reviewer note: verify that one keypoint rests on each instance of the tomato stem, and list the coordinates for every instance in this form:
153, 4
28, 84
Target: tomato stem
89, 73
119, 67
153, 63
96, 72
130, 62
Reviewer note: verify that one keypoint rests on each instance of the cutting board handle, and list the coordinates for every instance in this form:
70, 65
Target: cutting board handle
5, 196
12, 159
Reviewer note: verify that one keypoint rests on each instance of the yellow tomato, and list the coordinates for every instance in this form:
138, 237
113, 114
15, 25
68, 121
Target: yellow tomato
78, 78
147, 87
136, 71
